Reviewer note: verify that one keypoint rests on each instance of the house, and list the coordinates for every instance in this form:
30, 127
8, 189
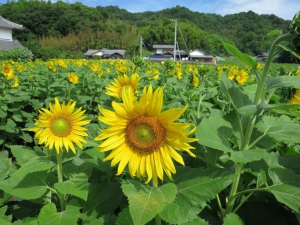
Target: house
105, 53
6, 40
163, 52
163, 49
200, 56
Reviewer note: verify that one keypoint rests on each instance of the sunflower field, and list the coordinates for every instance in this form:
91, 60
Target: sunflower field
131, 142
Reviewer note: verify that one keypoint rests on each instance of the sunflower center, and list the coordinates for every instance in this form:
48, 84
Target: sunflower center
60, 126
145, 133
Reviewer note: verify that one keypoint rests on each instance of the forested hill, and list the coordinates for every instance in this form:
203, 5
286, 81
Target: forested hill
73, 28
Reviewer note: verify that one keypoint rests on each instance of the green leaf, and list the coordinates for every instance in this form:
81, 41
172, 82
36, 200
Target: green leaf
197, 221
35, 164
5, 166
30, 186
286, 187
124, 218
49, 216
283, 81
9, 127
291, 162
279, 129
17, 118
22, 153
262, 213
248, 155
274, 33
231, 219
241, 56
214, 132
195, 186
78, 186
237, 96
103, 198
290, 49
3, 114
3, 211
4, 222
146, 202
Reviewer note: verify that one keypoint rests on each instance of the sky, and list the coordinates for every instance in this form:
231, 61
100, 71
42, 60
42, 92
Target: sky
285, 9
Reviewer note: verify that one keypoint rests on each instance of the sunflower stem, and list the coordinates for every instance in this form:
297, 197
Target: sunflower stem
157, 217
60, 180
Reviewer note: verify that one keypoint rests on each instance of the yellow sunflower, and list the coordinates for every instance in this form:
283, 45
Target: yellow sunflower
115, 88
195, 80
7, 70
143, 137
232, 72
296, 98
60, 126
242, 77
73, 78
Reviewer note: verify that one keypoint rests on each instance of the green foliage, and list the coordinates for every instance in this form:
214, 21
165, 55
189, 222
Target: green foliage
76, 28
16, 54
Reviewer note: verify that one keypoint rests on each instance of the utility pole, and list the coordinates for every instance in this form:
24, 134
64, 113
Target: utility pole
141, 49
174, 20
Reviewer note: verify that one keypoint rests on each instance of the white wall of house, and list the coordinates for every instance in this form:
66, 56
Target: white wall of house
98, 53
5, 34
196, 53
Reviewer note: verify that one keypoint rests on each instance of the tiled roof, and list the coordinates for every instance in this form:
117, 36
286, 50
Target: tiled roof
91, 52
7, 45
8, 24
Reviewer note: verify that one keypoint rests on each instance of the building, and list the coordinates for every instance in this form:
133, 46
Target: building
163, 52
200, 56
105, 53
6, 40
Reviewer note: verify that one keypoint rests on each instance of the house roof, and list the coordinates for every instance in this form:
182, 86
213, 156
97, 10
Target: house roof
91, 52
8, 24
7, 45
163, 46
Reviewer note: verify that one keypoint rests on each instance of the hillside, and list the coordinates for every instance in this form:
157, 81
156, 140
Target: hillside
64, 30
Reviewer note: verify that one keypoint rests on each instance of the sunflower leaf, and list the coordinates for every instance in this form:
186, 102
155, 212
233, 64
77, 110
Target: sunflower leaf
30, 186
232, 219
48, 215
251, 155
103, 199
195, 187
77, 186
245, 58
124, 218
283, 81
280, 129
214, 132
286, 187
146, 202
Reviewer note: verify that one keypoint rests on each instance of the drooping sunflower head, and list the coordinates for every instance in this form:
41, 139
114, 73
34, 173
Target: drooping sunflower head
115, 88
142, 136
61, 126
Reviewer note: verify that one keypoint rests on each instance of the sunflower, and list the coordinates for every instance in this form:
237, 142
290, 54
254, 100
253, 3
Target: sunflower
242, 77
232, 72
73, 78
195, 80
115, 88
7, 70
296, 98
60, 126
143, 137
